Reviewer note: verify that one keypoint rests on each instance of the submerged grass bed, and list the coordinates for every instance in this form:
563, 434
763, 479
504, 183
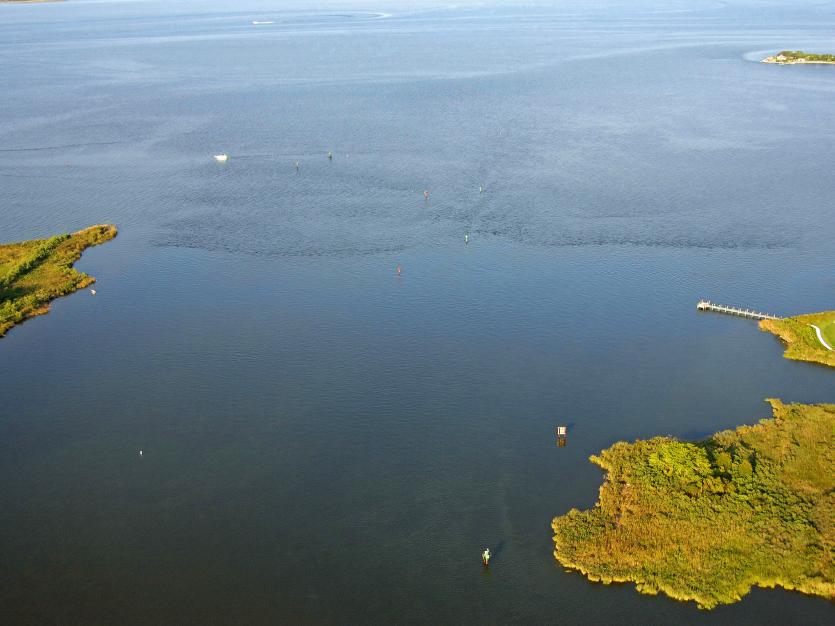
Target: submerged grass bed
801, 341
32, 273
706, 521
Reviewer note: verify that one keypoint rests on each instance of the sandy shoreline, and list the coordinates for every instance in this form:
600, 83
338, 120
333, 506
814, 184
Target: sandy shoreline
797, 58
797, 62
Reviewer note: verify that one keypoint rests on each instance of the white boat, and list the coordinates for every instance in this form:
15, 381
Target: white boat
257, 23
221, 158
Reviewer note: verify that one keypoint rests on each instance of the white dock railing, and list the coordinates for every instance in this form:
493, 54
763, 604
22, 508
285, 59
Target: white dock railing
707, 305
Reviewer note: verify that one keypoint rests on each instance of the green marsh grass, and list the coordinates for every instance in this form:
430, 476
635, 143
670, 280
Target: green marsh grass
801, 341
32, 273
706, 521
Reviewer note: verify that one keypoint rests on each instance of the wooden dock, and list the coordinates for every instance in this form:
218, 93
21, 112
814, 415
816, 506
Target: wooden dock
707, 305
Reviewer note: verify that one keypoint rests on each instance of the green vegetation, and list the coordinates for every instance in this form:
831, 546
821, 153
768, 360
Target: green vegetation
794, 55
787, 57
706, 521
34, 272
829, 332
802, 342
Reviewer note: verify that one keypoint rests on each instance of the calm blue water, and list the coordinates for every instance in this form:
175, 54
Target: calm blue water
325, 442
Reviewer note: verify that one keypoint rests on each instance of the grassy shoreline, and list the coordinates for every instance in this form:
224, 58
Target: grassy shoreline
802, 343
35, 272
706, 521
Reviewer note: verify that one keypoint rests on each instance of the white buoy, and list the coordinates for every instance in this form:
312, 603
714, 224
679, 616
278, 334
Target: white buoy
93, 291
221, 158
140, 453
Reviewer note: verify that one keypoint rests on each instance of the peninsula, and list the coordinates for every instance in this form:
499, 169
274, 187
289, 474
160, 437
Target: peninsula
706, 521
794, 57
32, 273
807, 337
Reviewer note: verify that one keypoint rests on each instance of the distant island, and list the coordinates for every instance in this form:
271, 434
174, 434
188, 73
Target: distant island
792, 57
32, 273
807, 337
706, 521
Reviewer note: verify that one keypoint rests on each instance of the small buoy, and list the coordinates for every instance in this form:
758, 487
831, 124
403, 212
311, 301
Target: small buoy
221, 158
399, 270
140, 453
93, 291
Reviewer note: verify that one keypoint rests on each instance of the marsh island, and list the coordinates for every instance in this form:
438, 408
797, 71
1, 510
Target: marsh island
33, 273
794, 57
706, 521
